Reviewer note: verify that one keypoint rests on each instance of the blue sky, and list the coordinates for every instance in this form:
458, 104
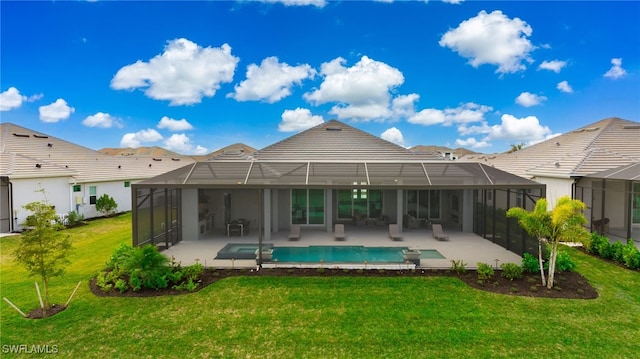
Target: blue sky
195, 77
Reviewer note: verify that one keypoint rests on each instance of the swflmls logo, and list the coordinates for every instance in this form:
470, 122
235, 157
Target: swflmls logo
29, 349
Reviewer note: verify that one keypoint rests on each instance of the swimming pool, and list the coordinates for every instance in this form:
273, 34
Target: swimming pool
343, 254
240, 250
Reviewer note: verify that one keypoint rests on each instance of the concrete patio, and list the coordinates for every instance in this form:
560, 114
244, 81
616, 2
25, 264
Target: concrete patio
468, 247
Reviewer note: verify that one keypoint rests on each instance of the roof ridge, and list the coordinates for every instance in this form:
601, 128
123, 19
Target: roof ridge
609, 121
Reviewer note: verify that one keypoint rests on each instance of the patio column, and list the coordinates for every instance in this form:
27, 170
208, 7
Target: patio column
399, 209
266, 213
275, 217
328, 209
190, 228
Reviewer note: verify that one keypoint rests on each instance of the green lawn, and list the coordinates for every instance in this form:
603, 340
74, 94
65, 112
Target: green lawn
318, 317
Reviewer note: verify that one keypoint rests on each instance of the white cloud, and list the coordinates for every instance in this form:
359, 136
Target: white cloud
135, 139
178, 142
456, 2
564, 87
56, 111
298, 120
528, 99
527, 129
362, 91
427, 117
492, 39
393, 135
200, 150
181, 143
11, 99
316, 3
271, 81
554, 65
404, 105
616, 71
471, 143
102, 120
465, 113
183, 74
174, 125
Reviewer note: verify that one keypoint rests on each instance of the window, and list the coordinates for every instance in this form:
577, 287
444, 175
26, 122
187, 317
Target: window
92, 194
307, 206
127, 184
359, 203
77, 188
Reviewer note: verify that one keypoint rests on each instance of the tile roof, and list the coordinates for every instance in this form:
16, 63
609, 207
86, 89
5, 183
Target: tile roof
597, 147
334, 154
334, 140
21, 149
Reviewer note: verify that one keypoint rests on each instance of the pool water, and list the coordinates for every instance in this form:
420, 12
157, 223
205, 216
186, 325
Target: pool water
430, 254
240, 250
342, 254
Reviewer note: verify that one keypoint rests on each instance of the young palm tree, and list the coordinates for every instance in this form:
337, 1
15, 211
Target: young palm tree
536, 223
562, 224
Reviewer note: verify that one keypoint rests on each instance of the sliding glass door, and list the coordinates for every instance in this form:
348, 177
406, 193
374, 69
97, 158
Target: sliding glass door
423, 204
359, 203
307, 206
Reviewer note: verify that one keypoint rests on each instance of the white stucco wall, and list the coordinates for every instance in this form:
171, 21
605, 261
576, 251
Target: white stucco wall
80, 200
556, 188
25, 191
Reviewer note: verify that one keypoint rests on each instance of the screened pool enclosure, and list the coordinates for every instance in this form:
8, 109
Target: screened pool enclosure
220, 199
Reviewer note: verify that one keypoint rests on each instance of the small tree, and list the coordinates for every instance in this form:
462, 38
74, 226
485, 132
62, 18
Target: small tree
562, 224
536, 223
43, 249
106, 205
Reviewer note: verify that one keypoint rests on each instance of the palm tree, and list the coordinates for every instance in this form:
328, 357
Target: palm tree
562, 224
515, 148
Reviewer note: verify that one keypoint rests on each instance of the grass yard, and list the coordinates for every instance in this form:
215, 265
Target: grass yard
315, 317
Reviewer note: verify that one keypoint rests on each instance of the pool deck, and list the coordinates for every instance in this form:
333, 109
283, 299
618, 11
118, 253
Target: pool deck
468, 247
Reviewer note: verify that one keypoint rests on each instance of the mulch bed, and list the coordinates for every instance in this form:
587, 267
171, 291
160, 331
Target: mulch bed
568, 285
39, 313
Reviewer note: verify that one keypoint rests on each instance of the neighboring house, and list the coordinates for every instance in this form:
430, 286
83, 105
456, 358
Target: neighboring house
576, 163
72, 176
331, 173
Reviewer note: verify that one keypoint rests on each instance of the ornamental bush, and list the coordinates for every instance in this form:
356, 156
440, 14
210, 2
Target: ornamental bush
530, 264
106, 205
511, 271
631, 255
485, 271
145, 267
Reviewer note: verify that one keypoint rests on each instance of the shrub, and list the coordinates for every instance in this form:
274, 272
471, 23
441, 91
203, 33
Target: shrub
564, 263
485, 271
631, 255
511, 271
530, 264
106, 205
458, 266
600, 245
74, 219
617, 249
146, 268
